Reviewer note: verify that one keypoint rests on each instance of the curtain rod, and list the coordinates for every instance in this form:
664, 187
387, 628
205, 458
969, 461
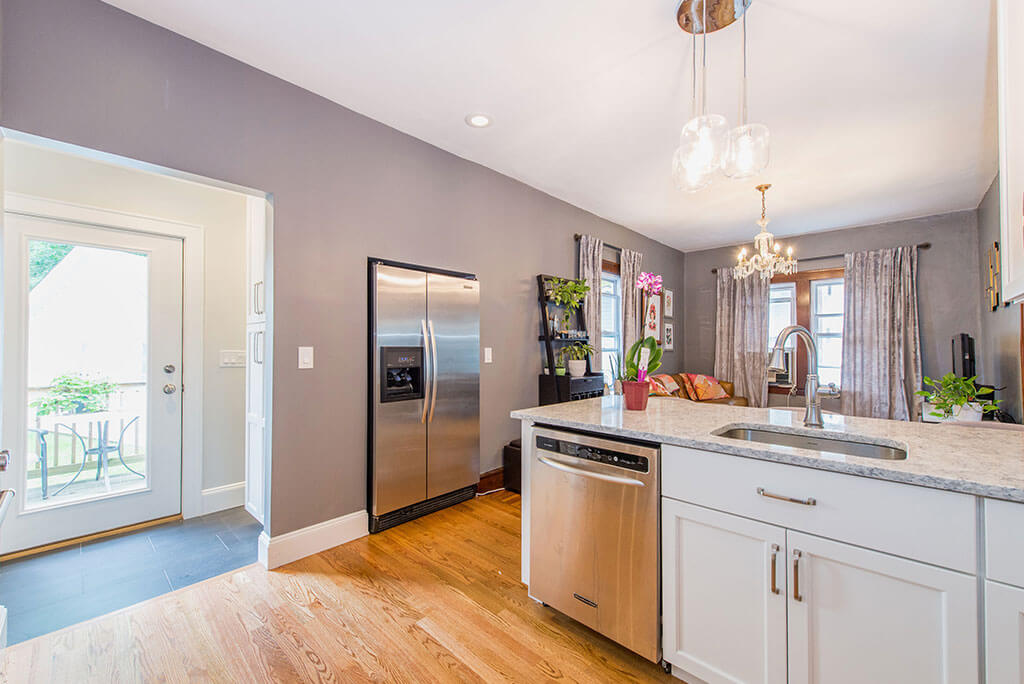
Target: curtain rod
920, 245
577, 236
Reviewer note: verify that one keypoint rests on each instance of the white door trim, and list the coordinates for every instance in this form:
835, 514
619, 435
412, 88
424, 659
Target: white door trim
192, 237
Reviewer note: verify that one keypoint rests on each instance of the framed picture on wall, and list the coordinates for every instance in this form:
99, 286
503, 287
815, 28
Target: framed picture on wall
652, 317
668, 344
668, 303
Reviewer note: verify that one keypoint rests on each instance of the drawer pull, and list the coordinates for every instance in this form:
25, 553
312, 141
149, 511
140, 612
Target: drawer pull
797, 554
810, 501
775, 558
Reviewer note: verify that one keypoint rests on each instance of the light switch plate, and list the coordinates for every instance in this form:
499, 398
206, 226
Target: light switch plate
232, 358
487, 355
305, 358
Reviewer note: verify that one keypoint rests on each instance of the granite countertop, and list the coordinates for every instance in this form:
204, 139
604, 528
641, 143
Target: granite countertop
972, 460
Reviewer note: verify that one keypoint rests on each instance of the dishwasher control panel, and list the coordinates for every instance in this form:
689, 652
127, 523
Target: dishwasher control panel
611, 457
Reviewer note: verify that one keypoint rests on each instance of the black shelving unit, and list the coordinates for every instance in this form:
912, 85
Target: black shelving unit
554, 389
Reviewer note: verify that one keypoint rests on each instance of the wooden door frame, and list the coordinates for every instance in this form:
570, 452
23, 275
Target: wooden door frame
192, 237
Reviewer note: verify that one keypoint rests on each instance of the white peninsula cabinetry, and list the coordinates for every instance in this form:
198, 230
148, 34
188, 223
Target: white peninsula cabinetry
1004, 592
776, 573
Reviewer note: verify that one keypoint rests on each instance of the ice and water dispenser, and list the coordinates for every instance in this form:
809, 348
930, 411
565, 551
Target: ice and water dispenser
401, 373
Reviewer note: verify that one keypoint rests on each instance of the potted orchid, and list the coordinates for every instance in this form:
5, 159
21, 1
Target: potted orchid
650, 287
644, 358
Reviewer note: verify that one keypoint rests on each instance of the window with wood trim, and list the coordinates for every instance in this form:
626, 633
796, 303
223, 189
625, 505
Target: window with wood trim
611, 319
813, 299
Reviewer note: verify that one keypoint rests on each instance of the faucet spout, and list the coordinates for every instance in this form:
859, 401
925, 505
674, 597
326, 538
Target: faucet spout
812, 416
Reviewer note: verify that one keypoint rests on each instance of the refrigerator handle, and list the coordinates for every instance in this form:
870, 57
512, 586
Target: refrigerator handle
426, 388
433, 372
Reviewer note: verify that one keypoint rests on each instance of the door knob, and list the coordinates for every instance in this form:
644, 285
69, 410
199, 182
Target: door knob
169, 368
169, 389
5, 457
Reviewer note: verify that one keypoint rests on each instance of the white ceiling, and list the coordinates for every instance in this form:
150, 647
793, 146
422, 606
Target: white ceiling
878, 109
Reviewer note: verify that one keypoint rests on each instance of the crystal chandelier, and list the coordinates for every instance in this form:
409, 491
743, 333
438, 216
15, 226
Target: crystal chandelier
767, 258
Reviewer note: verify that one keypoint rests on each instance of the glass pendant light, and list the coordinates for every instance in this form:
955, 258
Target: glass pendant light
704, 140
748, 147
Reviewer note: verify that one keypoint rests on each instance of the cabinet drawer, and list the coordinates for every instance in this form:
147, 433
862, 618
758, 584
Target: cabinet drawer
1004, 541
915, 522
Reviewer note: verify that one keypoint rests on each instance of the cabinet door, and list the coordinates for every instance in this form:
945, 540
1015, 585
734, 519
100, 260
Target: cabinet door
861, 616
256, 247
1004, 633
723, 595
254, 420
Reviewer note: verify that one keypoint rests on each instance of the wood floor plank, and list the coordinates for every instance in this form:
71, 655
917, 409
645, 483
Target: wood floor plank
437, 599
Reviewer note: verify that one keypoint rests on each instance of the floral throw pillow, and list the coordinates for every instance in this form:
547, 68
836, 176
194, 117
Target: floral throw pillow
663, 386
706, 387
688, 390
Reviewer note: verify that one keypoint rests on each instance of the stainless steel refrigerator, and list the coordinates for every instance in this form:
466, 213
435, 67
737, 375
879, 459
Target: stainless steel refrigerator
424, 399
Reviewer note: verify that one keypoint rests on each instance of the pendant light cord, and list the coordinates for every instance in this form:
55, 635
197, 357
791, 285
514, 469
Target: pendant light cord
704, 59
743, 92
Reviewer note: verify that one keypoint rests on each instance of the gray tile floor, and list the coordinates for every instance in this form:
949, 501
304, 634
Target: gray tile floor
53, 590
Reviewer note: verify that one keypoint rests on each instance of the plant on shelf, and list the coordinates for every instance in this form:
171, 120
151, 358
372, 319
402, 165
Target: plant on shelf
568, 294
73, 393
958, 399
577, 352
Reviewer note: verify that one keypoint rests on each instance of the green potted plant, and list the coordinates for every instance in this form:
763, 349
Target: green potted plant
560, 361
578, 353
635, 387
956, 399
568, 294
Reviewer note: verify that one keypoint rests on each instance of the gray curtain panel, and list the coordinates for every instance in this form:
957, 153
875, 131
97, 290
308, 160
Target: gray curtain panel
881, 339
741, 335
629, 272
591, 253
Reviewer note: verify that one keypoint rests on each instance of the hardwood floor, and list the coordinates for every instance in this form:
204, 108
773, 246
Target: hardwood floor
434, 600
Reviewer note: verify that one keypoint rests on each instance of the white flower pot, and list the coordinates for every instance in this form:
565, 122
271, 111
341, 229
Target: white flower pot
577, 367
968, 413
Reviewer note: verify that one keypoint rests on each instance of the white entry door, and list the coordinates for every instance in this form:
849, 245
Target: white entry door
92, 349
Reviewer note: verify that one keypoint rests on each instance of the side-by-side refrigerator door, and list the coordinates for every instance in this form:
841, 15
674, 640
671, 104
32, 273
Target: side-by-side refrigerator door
399, 462
453, 420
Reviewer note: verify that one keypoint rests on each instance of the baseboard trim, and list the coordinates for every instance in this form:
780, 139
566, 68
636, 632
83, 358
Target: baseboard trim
291, 546
223, 497
491, 480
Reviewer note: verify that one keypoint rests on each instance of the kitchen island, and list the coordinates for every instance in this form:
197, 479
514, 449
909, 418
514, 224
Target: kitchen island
781, 563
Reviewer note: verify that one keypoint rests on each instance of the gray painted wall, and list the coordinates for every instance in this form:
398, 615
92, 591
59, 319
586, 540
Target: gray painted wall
947, 287
999, 345
344, 186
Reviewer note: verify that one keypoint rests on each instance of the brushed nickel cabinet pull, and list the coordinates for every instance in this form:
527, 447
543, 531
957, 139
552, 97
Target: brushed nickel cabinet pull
809, 501
797, 555
775, 560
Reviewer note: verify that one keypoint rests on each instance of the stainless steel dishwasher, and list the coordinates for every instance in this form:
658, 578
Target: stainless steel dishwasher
594, 535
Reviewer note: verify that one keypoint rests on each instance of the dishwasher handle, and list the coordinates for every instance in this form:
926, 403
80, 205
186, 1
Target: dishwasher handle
569, 468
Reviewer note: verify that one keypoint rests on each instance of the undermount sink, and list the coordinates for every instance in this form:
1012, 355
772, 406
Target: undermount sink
815, 443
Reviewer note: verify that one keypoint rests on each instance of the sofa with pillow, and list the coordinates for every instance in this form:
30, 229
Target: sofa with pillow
696, 387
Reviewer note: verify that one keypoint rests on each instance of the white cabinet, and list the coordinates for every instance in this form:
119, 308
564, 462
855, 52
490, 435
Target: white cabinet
723, 595
861, 616
1004, 633
1009, 20
255, 420
257, 210
257, 217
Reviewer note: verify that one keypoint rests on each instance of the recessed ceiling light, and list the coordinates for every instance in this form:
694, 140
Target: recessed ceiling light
478, 120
